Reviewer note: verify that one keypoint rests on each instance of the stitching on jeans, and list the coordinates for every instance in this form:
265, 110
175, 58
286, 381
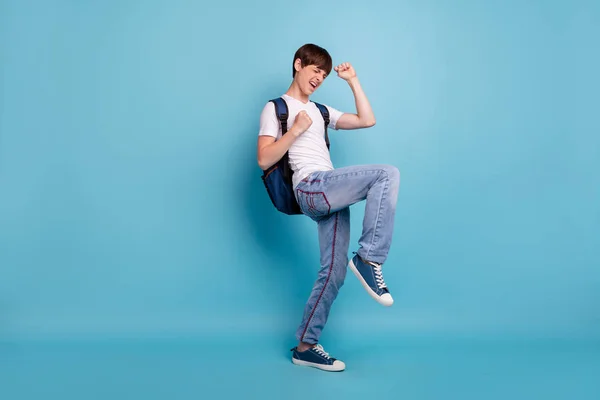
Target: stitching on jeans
383, 199
336, 177
326, 281
385, 189
311, 198
310, 204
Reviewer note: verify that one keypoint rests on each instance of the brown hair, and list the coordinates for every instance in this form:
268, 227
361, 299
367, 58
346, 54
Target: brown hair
311, 54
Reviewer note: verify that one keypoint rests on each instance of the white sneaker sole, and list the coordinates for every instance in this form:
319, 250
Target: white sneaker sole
386, 299
337, 367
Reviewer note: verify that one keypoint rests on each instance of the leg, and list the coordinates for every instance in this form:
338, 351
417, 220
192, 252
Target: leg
323, 193
334, 238
326, 192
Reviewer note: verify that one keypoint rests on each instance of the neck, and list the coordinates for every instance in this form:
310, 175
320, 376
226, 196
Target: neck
295, 92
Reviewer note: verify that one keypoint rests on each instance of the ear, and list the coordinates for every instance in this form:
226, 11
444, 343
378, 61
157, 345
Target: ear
298, 64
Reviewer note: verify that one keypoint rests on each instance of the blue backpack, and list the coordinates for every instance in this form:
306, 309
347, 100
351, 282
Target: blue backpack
278, 178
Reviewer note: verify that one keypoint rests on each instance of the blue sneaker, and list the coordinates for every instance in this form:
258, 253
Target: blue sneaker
317, 357
371, 277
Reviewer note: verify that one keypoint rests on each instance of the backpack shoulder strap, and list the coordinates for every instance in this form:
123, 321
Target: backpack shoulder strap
281, 110
325, 113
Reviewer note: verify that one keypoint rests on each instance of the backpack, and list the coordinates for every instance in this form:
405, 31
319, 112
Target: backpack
278, 178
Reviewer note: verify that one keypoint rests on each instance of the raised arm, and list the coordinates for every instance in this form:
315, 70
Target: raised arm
364, 116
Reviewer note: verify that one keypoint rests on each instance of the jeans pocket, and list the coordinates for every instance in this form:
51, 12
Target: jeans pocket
313, 204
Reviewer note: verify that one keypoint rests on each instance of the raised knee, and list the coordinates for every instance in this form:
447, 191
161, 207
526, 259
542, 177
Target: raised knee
392, 172
395, 173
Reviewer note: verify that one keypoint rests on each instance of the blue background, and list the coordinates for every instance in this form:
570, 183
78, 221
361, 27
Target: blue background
132, 209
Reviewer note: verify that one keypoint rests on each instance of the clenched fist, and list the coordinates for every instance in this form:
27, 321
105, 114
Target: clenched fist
345, 71
302, 122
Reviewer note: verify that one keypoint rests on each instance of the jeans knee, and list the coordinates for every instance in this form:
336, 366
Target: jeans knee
392, 173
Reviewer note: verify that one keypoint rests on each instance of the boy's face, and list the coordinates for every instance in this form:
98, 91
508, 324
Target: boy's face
309, 78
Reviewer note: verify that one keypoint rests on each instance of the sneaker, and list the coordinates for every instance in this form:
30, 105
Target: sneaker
371, 277
317, 357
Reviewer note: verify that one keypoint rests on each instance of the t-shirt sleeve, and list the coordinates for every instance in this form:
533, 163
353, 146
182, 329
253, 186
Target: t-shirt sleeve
334, 115
269, 124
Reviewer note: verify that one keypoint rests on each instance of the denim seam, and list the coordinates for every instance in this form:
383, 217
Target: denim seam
378, 220
335, 177
384, 197
326, 281
310, 200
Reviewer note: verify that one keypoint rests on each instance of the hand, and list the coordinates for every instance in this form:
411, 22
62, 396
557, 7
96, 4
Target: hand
302, 122
345, 71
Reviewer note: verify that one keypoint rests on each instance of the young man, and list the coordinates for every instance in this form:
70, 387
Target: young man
325, 194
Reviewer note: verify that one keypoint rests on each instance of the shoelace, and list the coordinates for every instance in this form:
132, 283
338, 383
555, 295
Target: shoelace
378, 275
319, 349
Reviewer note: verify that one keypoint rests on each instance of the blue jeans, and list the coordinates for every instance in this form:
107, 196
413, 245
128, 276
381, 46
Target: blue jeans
325, 196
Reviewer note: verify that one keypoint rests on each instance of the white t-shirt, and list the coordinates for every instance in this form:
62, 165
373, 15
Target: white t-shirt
309, 152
